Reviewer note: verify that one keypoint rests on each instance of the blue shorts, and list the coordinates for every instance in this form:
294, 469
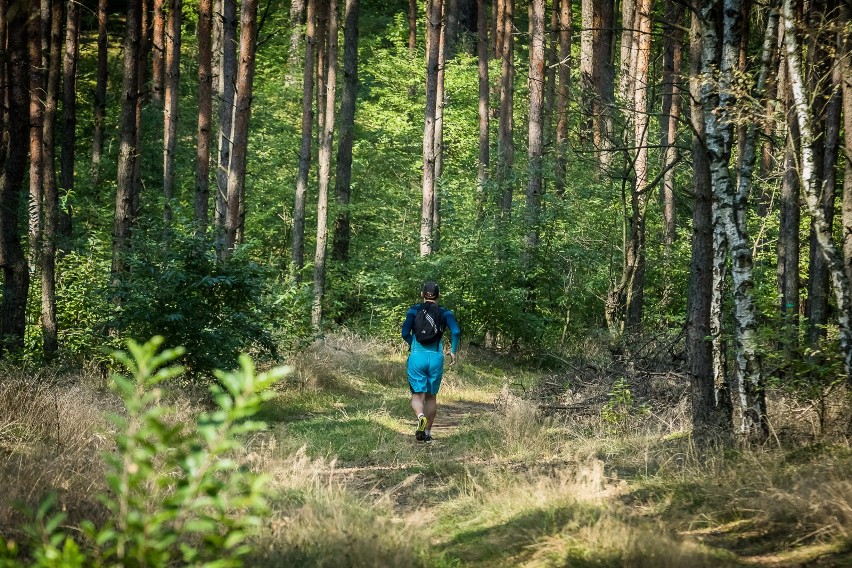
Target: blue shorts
425, 371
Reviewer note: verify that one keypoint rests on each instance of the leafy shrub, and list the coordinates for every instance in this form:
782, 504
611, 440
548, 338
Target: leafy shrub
177, 494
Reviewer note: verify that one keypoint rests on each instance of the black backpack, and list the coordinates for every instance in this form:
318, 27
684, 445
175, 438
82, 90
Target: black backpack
429, 323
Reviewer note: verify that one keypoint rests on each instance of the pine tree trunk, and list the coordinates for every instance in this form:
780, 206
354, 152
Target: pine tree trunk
4, 87
669, 119
505, 133
205, 113
51, 199
710, 402
298, 256
142, 70
297, 12
343, 179
433, 15
841, 284
128, 151
322, 62
69, 114
535, 184
242, 114
412, 25
170, 105
225, 93
37, 96
718, 105
100, 93
158, 39
324, 164
564, 96
484, 105
788, 238
439, 131
16, 276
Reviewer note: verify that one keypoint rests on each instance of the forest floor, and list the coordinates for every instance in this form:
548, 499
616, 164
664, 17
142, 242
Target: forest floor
505, 484
555, 461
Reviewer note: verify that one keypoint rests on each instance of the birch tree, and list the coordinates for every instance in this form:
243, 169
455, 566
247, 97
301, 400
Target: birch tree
840, 281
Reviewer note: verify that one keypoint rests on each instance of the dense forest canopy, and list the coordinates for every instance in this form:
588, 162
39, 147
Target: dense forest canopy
247, 176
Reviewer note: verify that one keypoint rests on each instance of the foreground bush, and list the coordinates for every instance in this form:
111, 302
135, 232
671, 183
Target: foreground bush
175, 495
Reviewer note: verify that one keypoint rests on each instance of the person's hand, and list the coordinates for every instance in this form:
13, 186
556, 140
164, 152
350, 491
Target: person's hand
452, 359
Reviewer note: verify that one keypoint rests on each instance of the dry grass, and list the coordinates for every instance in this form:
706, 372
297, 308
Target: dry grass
51, 439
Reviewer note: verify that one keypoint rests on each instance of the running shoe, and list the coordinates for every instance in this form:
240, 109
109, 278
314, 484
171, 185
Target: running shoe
427, 438
420, 433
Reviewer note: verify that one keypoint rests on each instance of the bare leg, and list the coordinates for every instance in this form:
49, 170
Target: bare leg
431, 409
418, 403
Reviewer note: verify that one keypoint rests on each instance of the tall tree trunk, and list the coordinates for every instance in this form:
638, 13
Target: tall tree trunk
297, 12
69, 113
343, 179
505, 142
51, 199
711, 408
298, 255
847, 149
564, 96
412, 25
788, 234
159, 41
718, 105
824, 85
535, 185
242, 113
597, 75
324, 164
225, 94
16, 276
4, 87
433, 41
125, 212
170, 106
439, 131
37, 96
142, 70
639, 199
484, 104
672, 58
840, 282
100, 93
322, 61
205, 113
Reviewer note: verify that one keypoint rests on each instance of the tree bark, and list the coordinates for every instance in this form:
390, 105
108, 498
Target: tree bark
324, 159
69, 114
597, 75
242, 114
433, 41
205, 113
298, 255
535, 185
225, 94
297, 12
730, 208
505, 142
100, 93
840, 282
158, 39
439, 130
484, 105
125, 212
412, 26
170, 105
16, 276
711, 409
37, 97
847, 149
4, 86
564, 94
51, 199
672, 58
343, 179
322, 62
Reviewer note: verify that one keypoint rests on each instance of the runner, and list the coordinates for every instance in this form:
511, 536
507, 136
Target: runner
427, 321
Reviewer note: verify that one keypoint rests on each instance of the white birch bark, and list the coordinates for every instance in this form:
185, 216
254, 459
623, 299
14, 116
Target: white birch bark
839, 279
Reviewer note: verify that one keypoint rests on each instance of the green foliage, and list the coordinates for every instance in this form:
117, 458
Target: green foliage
621, 406
176, 494
176, 288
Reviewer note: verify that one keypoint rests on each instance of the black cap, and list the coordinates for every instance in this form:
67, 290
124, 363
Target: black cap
430, 290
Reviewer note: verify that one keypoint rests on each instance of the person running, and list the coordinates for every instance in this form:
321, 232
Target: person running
427, 320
